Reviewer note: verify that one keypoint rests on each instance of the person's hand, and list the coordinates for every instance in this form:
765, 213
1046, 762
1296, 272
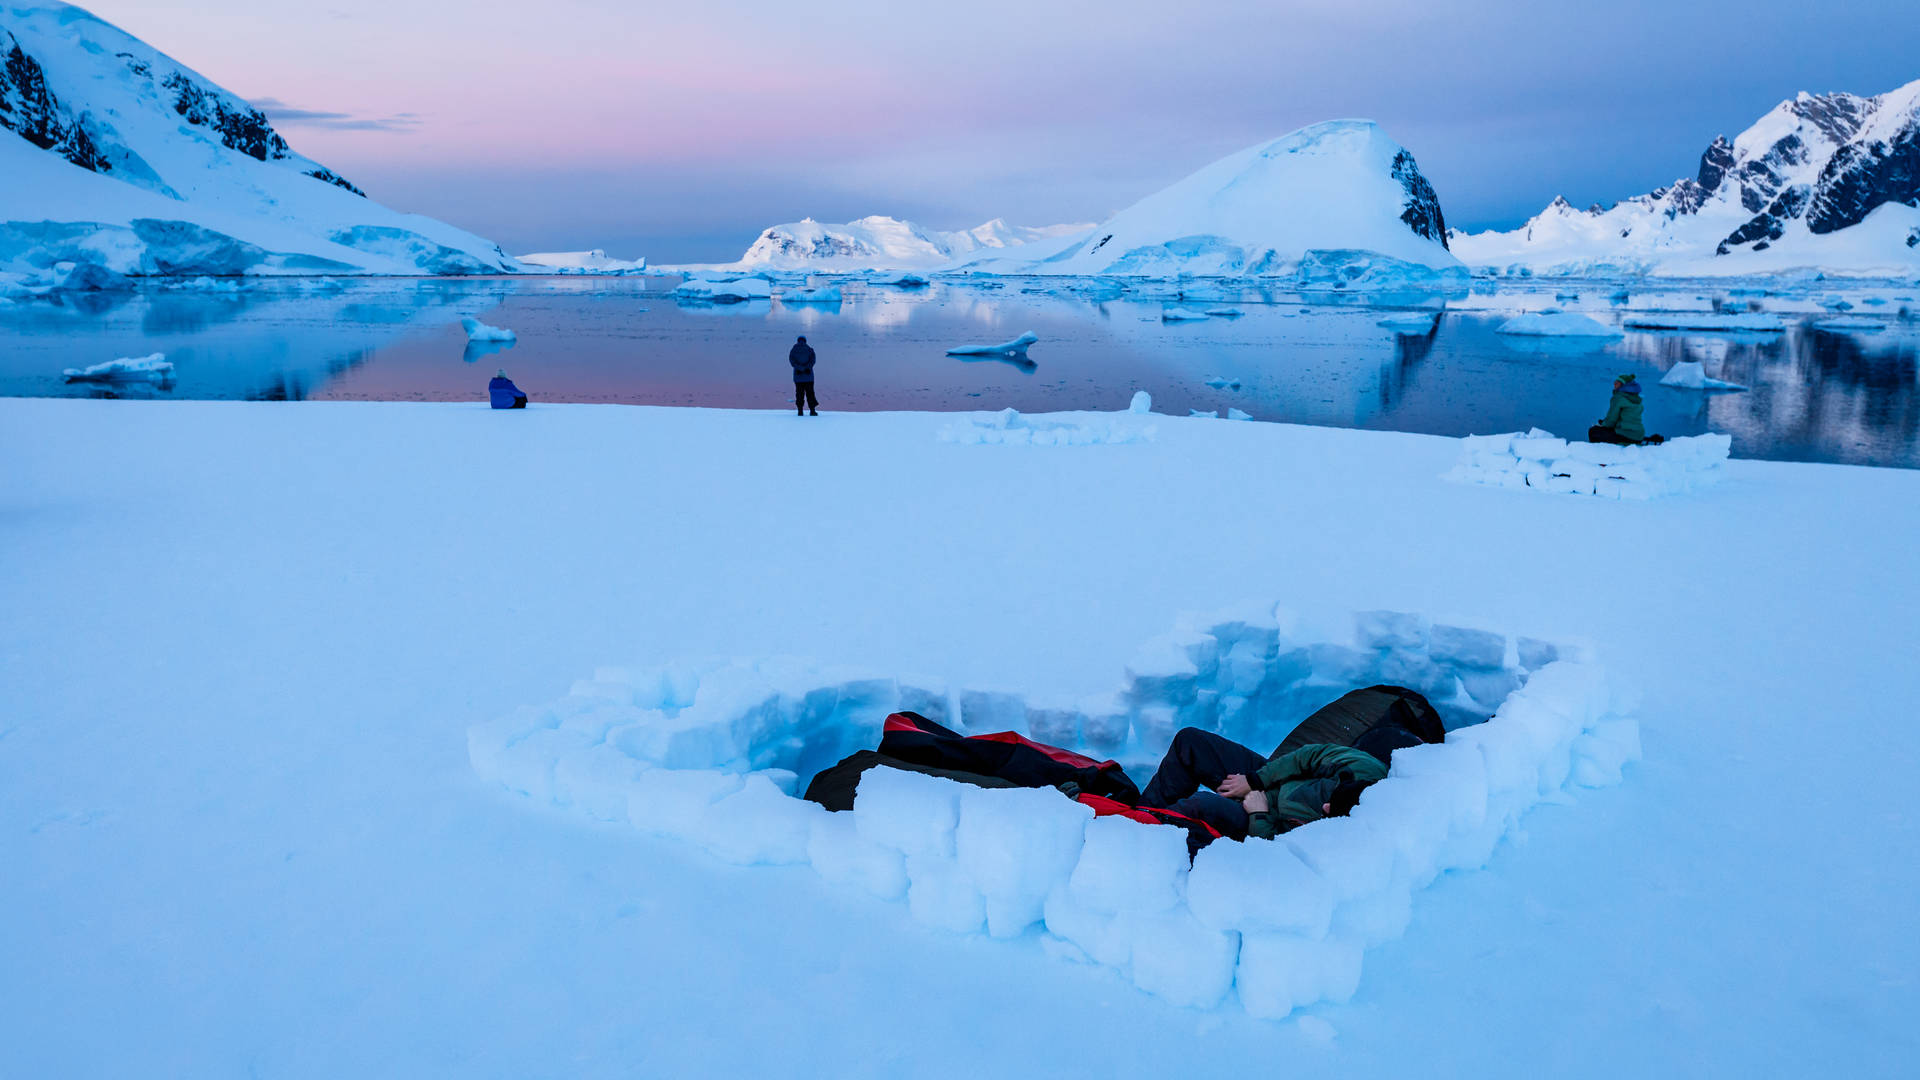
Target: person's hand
1235, 787
1255, 802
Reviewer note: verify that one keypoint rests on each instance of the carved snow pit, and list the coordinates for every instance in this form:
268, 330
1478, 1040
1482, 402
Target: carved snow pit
714, 753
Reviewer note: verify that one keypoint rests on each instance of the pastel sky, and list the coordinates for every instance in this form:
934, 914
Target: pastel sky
678, 130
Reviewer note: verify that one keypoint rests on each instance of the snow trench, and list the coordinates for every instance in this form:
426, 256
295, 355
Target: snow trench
714, 753
1540, 461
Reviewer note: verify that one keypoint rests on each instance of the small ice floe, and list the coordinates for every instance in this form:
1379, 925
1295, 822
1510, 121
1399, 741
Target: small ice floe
1757, 322
1412, 322
827, 294
1850, 324
1836, 303
1224, 312
1236, 414
899, 281
1557, 324
1690, 375
1210, 414
1566, 297
1221, 382
154, 368
1181, 314
738, 291
1142, 403
479, 331
1016, 347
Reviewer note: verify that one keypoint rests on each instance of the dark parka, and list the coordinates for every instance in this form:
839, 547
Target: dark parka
1300, 783
1625, 412
801, 357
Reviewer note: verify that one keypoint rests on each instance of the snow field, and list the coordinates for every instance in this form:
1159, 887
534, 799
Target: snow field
714, 753
1009, 427
1540, 461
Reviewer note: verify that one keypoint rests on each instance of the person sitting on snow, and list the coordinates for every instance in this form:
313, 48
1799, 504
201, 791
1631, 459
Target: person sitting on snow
504, 394
1241, 793
1623, 425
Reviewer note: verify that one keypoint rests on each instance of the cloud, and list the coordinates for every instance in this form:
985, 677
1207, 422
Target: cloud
287, 116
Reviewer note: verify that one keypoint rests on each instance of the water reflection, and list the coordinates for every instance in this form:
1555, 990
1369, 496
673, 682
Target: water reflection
1303, 357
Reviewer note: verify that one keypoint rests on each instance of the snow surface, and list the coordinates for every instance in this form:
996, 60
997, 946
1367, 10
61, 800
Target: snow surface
1557, 324
479, 331
1692, 375
155, 366
1009, 427
583, 262
1017, 347
180, 200
243, 833
1540, 461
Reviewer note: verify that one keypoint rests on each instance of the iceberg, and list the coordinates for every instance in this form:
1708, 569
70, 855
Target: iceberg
1557, 324
582, 262
1758, 322
899, 281
1181, 314
1690, 375
829, 294
479, 331
701, 290
154, 368
1417, 323
1016, 347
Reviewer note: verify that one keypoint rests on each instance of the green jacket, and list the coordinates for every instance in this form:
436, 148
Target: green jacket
1624, 416
1300, 783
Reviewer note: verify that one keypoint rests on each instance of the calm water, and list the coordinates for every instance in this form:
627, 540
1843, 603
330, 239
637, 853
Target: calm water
1816, 396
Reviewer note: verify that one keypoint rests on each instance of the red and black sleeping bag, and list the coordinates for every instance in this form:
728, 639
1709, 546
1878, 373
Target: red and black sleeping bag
913, 743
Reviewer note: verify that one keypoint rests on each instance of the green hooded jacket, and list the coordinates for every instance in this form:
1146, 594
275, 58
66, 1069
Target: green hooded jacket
1624, 416
1300, 783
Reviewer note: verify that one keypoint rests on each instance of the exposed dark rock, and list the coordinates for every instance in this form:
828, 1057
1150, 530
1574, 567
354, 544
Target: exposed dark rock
29, 109
1714, 164
1422, 212
334, 178
1862, 177
1770, 225
241, 128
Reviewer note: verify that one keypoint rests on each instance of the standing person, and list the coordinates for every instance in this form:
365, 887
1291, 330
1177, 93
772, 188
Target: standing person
801, 358
1623, 425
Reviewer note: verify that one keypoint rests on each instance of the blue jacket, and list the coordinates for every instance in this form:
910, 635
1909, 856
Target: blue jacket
505, 395
801, 357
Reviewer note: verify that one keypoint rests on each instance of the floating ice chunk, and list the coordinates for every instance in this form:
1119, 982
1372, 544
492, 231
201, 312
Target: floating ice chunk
1224, 312
1692, 375
899, 281
1236, 414
1016, 347
479, 331
1557, 324
1741, 322
826, 294
153, 368
1181, 314
1017, 845
1850, 324
909, 812
1142, 403
1414, 323
1221, 382
736, 291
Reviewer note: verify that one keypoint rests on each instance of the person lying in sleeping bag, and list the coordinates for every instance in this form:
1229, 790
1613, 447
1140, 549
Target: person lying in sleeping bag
1242, 793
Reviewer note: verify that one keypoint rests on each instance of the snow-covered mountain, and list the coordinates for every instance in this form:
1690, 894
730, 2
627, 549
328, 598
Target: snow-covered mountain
128, 162
1337, 203
884, 243
1824, 181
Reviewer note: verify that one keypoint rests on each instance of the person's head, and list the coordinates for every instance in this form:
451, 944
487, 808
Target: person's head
1624, 380
1344, 797
501, 374
803, 339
